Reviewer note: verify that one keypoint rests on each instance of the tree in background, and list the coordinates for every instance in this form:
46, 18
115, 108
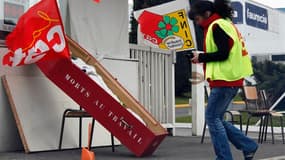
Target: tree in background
270, 76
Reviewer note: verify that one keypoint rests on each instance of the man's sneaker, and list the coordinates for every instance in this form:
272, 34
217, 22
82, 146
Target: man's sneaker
249, 155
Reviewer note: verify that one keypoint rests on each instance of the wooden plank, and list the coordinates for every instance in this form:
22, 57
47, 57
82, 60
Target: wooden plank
128, 100
37, 106
15, 114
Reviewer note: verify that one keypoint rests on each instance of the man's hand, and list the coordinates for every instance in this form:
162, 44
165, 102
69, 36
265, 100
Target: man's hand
195, 58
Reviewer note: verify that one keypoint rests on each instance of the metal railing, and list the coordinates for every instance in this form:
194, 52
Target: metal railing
156, 81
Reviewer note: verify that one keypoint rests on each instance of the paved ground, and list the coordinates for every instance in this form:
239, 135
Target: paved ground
182, 147
172, 148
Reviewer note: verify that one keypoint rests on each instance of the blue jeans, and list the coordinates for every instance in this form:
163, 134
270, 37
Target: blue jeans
221, 131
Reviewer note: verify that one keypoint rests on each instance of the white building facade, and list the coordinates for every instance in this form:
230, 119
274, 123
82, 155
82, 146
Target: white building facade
262, 28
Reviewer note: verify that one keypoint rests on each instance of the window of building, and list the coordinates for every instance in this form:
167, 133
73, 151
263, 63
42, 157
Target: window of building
278, 57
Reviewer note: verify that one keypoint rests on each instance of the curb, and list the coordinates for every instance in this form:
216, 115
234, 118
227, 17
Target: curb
188, 105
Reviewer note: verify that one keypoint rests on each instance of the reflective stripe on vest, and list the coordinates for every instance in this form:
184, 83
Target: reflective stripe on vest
238, 64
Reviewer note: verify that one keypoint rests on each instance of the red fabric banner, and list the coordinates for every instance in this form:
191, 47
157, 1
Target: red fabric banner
97, 1
38, 35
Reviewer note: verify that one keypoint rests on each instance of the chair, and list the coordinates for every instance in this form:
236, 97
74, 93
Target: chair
231, 113
272, 114
79, 113
255, 108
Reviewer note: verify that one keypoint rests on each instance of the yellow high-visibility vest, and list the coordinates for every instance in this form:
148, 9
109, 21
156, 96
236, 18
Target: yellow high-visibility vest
238, 65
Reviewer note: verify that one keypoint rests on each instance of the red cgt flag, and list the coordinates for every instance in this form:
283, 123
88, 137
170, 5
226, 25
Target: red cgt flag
38, 35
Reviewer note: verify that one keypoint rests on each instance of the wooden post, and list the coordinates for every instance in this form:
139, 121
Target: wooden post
198, 100
128, 100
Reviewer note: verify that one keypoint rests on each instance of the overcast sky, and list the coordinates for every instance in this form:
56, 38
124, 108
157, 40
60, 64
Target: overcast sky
272, 3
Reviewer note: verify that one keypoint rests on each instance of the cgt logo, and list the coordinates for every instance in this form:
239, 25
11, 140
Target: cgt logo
39, 49
49, 37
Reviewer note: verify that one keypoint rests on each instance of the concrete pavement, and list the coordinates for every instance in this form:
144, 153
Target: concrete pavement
172, 148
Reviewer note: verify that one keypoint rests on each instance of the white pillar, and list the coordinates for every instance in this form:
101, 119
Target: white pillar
198, 99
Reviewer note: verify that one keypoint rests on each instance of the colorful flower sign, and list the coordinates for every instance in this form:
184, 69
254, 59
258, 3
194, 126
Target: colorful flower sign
169, 31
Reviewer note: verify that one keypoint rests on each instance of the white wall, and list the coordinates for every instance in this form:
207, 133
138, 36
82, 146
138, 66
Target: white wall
9, 137
101, 28
259, 41
125, 71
